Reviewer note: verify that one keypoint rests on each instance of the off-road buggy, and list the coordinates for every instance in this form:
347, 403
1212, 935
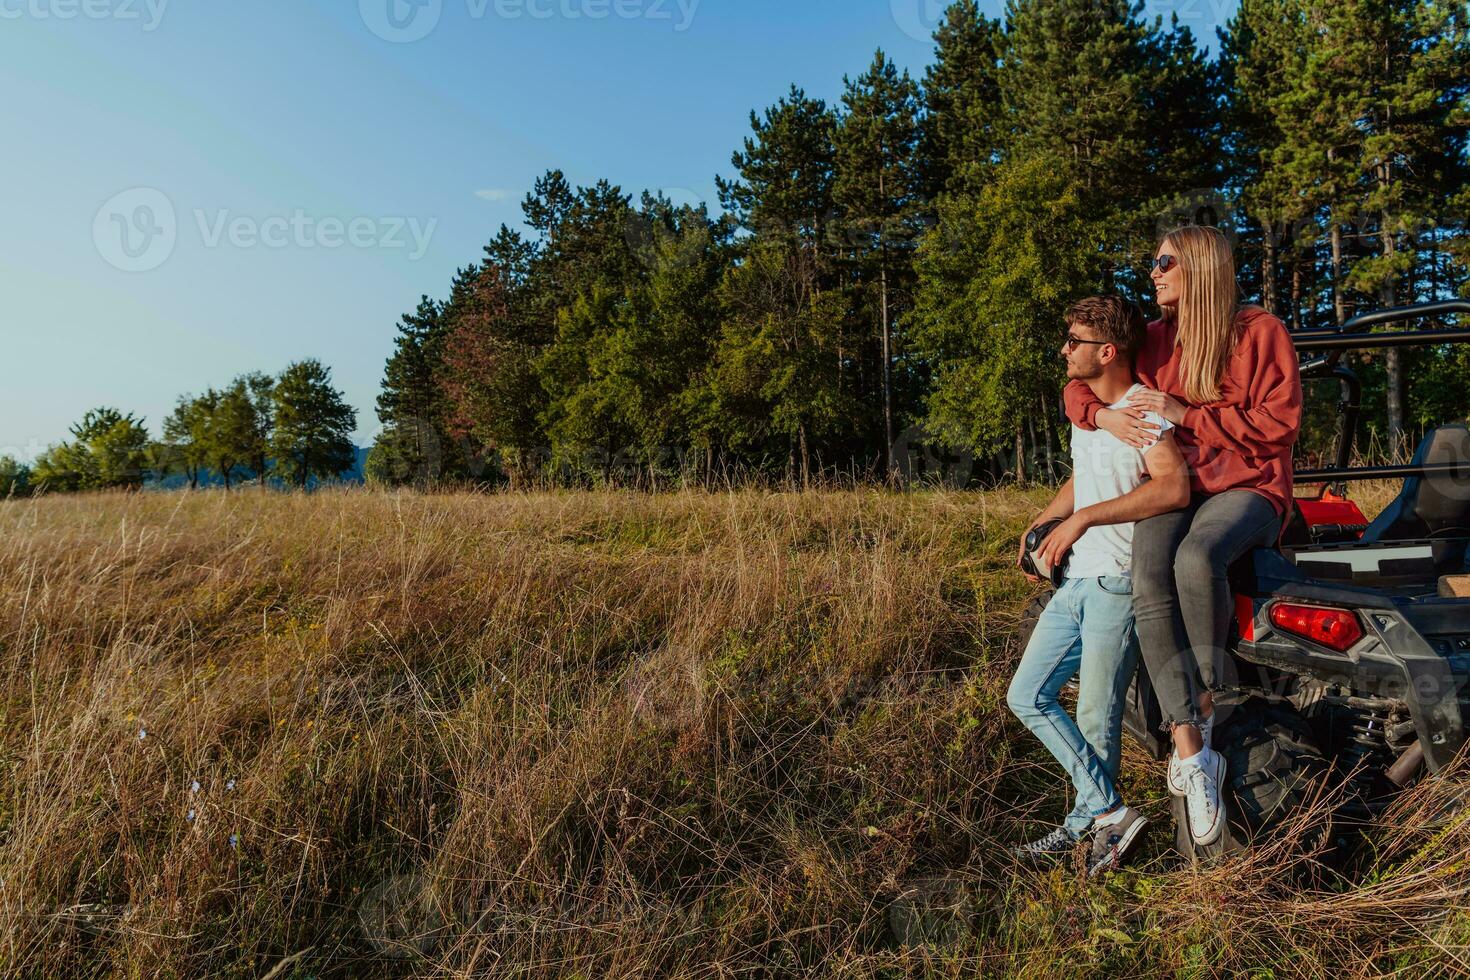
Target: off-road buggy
1350, 653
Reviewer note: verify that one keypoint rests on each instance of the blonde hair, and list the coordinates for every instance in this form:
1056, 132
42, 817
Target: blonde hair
1207, 308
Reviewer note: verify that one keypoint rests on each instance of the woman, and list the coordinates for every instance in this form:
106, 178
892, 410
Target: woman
1226, 376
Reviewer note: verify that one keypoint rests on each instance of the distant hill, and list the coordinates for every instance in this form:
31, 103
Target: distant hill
212, 478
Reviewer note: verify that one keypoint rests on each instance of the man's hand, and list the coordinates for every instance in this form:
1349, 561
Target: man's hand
1061, 540
1021, 551
1150, 400
1128, 425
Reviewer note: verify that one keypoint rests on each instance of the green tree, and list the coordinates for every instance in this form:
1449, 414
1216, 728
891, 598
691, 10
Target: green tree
259, 388
108, 450
313, 424
788, 330
1363, 134
15, 478
233, 431
1263, 52
785, 172
959, 141
411, 406
588, 416
996, 277
879, 187
774, 381
1126, 110
486, 370
1405, 72
184, 446
667, 349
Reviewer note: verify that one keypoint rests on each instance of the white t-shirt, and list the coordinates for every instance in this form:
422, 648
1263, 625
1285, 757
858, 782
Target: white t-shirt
1104, 467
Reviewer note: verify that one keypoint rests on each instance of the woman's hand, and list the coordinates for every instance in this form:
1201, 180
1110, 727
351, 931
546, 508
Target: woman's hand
1128, 424
1150, 400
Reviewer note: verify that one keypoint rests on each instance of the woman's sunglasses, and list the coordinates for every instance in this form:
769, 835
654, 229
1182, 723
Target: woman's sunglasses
1163, 263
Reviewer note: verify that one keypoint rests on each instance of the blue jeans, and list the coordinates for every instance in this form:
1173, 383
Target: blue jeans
1087, 630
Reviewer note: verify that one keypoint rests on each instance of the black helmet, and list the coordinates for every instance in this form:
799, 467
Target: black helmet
1029, 564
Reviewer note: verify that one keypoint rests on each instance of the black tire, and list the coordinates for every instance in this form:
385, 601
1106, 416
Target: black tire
1273, 767
1029, 617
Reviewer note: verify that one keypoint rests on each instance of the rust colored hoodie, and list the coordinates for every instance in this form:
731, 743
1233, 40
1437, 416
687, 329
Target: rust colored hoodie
1242, 441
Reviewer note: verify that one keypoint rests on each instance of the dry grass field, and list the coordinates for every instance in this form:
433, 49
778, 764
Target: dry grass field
597, 735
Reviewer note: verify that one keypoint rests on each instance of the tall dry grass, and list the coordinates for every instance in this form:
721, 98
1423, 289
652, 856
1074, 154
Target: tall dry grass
741, 734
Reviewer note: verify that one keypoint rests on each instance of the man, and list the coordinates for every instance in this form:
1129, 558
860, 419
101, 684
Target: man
1086, 630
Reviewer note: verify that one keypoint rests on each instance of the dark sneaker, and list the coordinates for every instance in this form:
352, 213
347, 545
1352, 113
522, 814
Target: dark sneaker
1111, 843
1057, 844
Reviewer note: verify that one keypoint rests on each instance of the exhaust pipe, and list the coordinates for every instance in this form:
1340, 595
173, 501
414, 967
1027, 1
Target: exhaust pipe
1406, 765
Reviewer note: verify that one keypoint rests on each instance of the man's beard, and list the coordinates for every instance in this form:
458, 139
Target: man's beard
1078, 373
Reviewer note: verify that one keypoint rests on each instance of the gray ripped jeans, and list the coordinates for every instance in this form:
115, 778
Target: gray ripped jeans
1181, 598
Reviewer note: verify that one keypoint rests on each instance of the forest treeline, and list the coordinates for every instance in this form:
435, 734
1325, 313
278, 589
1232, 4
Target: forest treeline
290, 429
886, 275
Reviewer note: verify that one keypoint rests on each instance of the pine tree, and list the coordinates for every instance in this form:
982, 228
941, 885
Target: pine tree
259, 388
1107, 131
961, 97
412, 443
664, 335
587, 417
486, 374
784, 188
1372, 139
879, 188
1125, 110
1411, 72
1262, 52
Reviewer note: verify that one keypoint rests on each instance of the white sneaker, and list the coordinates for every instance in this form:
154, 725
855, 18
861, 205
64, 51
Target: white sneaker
1176, 774
1202, 799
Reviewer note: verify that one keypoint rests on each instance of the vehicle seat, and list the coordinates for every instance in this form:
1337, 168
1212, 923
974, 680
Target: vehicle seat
1430, 506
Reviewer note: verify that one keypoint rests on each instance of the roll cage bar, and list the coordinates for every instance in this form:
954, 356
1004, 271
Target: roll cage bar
1353, 335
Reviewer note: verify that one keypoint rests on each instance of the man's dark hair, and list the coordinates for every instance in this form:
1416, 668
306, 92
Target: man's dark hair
1113, 319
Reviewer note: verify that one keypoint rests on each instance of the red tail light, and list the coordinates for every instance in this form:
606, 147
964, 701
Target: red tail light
1245, 617
1337, 629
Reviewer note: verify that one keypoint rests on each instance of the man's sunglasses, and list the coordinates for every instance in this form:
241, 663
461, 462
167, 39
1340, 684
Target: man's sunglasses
1163, 263
1073, 341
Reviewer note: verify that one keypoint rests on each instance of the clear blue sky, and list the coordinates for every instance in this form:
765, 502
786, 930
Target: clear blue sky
324, 164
